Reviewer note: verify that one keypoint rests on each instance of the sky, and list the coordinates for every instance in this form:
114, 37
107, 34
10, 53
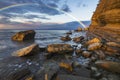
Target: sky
34, 13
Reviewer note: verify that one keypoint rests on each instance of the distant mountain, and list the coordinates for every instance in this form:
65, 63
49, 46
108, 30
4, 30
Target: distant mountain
66, 26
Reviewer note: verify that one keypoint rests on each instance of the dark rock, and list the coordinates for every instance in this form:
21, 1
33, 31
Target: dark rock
109, 65
78, 39
66, 38
24, 35
86, 54
32, 49
69, 33
71, 77
11, 74
100, 54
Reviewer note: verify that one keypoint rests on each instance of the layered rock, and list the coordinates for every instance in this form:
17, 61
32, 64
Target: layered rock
32, 49
106, 20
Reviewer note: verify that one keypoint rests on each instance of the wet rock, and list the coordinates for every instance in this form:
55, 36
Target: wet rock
69, 33
86, 29
113, 77
86, 54
11, 74
76, 64
59, 48
94, 40
78, 29
94, 46
24, 35
95, 73
78, 52
66, 66
109, 65
66, 38
71, 77
100, 54
82, 71
78, 39
32, 49
113, 44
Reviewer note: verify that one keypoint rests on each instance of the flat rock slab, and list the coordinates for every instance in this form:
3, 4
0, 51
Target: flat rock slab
71, 77
32, 49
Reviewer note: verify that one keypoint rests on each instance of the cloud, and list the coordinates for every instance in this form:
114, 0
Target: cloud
65, 8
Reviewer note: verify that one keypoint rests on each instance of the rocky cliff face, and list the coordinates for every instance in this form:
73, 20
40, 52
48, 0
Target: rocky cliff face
106, 20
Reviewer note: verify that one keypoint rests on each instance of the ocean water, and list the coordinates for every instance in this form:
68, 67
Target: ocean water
43, 38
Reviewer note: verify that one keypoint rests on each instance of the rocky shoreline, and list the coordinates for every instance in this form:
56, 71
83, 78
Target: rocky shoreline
92, 58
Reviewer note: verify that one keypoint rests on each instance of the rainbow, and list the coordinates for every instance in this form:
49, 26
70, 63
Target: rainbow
24, 4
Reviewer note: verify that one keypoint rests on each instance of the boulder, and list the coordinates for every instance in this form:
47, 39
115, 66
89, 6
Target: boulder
109, 65
78, 39
94, 46
71, 77
66, 38
24, 35
32, 49
59, 48
95, 40
66, 66
86, 54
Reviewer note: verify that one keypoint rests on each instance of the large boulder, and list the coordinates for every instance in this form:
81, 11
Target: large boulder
94, 40
109, 65
24, 35
59, 48
32, 49
94, 46
79, 29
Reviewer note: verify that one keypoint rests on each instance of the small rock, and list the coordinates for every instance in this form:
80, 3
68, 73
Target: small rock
32, 49
66, 38
86, 54
79, 29
76, 64
69, 33
66, 66
24, 35
59, 48
109, 65
78, 39
95, 40
94, 46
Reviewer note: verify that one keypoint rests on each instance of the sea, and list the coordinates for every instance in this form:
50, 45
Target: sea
42, 38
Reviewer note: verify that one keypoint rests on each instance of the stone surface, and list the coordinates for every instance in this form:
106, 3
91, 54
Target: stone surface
11, 74
113, 44
106, 20
94, 46
24, 35
109, 65
66, 66
59, 48
86, 54
78, 39
66, 38
71, 77
94, 40
32, 49
79, 29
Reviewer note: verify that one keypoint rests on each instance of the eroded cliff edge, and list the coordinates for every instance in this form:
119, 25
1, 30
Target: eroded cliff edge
106, 20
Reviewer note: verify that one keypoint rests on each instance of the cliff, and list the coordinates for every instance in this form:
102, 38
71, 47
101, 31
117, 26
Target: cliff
106, 20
